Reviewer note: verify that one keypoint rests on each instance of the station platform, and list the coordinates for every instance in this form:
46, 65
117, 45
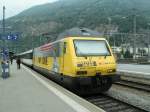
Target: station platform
27, 91
134, 68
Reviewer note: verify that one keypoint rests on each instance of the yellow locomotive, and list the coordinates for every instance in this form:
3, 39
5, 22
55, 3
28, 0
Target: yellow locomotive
84, 63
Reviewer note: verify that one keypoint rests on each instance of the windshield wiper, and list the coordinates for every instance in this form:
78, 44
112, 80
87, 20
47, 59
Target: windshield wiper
106, 55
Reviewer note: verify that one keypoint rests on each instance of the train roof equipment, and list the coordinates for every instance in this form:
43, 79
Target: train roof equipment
78, 32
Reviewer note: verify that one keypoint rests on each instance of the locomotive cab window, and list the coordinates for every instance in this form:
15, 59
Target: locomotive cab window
91, 48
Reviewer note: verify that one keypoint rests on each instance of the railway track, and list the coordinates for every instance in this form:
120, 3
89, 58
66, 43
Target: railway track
112, 105
135, 85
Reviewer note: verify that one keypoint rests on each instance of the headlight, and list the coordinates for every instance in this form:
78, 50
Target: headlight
111, 70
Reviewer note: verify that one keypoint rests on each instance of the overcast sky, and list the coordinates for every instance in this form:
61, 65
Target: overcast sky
14, 7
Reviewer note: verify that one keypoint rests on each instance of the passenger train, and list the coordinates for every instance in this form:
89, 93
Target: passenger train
80, 61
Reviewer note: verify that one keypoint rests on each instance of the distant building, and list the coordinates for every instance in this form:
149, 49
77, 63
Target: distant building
121, 50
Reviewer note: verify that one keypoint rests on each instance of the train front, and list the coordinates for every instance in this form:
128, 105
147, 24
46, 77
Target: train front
95, 66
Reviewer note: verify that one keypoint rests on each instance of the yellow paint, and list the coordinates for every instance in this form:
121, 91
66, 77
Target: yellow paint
68, 62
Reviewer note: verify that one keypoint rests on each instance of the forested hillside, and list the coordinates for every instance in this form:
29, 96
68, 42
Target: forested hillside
101, 15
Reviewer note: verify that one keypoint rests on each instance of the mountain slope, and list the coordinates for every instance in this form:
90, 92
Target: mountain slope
64, 14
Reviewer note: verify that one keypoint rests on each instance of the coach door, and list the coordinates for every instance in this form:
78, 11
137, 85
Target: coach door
62, 55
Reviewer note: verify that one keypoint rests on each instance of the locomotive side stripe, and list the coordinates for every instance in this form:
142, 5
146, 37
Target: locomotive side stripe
46, 48
47, 45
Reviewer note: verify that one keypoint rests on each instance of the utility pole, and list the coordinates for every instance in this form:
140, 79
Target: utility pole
134, 33
148, 41
148, 47
109, 28
5, 63
3, 26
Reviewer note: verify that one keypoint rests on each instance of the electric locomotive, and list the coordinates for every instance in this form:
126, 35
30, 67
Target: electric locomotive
80, 59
